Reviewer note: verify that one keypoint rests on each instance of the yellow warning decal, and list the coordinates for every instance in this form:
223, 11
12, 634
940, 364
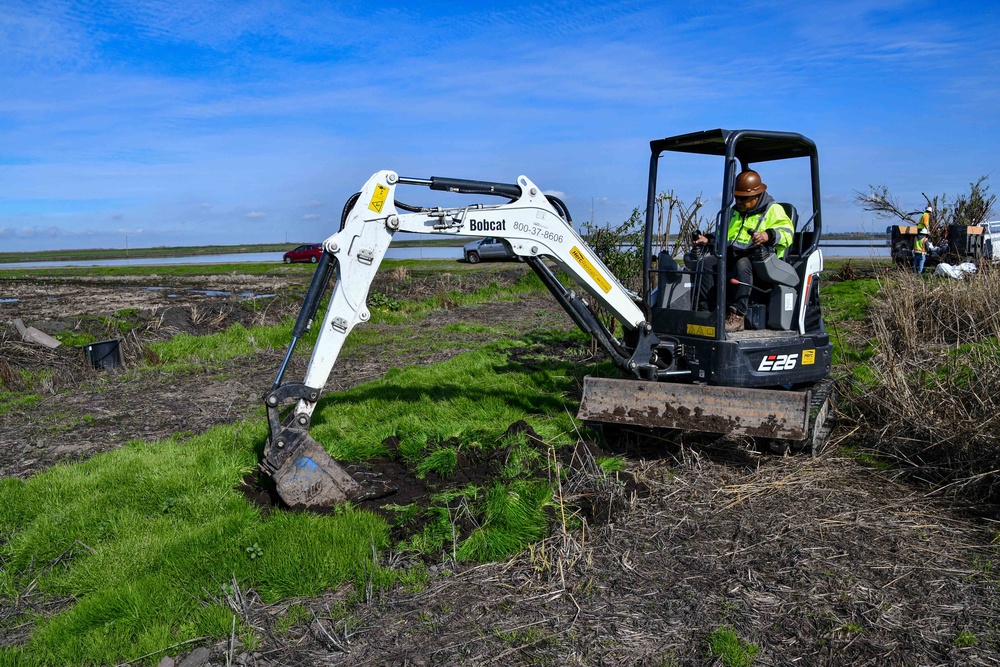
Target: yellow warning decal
701, 330
808, 357
590, 269
378, 199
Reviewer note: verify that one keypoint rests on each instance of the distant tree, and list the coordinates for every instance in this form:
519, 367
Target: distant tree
976, 207
972, 208
881, 202
620, 248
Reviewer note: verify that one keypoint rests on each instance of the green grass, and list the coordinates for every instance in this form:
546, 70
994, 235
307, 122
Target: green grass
137, 546
461, 398
844, 303
140, 541
404, 311
237, 340
966, 639
849, 299
74, 338
11, 402
725, 644
441, 462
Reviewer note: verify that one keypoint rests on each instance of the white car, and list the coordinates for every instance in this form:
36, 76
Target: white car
991, 240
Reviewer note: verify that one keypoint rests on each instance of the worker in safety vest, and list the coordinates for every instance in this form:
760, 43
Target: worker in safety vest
922, 246
757, 221
925, 219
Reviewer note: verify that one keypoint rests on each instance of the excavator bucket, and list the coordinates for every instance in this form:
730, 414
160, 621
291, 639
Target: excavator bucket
305, 476
312, 478
759, 413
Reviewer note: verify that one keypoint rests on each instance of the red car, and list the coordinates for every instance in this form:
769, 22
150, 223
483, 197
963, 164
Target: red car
310, 252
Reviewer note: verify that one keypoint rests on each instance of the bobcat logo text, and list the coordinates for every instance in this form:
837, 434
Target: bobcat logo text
487, 225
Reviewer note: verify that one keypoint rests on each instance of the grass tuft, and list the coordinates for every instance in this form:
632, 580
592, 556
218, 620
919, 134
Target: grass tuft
725, 644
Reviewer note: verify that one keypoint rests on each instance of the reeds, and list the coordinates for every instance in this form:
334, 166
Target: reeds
929, 395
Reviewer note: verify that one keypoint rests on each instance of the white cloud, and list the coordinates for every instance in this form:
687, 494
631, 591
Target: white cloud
155, 108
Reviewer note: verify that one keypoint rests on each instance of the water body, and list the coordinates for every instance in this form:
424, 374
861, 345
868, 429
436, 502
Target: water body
835, 249
233, 258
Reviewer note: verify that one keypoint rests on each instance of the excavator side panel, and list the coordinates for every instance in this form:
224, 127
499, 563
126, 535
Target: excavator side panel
760, 413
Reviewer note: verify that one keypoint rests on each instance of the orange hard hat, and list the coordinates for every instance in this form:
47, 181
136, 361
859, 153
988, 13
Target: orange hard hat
748, 184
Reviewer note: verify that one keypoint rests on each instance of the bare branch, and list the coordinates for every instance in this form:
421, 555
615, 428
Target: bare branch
881, 202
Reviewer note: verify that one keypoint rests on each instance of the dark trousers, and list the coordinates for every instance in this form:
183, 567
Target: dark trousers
738, 295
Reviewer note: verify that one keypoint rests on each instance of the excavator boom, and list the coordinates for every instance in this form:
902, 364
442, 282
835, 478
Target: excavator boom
534, 225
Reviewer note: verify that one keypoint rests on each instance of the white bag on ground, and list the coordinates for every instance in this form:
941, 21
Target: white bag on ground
956, 272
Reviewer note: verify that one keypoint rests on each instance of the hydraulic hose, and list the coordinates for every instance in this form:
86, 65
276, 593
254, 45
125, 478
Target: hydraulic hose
321, 279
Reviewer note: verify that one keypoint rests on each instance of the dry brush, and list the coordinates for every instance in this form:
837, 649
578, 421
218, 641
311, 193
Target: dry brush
928, 396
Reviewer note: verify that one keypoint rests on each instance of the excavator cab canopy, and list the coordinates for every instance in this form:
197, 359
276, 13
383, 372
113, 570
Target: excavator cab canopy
749, 146
741, 150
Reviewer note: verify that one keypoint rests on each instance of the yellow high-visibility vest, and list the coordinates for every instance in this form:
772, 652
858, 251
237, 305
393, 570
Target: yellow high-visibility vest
742, 228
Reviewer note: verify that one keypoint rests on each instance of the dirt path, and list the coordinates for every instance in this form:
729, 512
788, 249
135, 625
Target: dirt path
815, 562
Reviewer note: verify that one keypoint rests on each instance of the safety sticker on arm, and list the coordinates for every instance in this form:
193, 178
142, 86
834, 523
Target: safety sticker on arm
591, 270
378, 199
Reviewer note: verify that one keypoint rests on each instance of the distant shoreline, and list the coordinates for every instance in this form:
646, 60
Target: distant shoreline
193, 251
185, 251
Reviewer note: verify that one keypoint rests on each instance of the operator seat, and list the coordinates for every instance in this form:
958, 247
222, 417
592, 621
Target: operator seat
791, 213
781, 277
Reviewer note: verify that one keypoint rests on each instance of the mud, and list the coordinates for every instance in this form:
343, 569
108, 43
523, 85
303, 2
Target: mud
478, 467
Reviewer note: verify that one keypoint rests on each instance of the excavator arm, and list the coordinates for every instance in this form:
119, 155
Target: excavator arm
535, 225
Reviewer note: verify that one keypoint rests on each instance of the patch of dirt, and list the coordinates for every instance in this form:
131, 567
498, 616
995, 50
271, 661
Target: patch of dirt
477, 467
84, 411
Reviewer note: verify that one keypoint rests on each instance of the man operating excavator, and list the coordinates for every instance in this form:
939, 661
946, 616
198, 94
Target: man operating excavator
757, 221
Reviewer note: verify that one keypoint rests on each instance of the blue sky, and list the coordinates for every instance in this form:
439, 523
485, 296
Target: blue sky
189, 123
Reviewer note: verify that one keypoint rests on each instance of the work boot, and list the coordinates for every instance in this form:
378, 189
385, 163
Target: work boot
734, 321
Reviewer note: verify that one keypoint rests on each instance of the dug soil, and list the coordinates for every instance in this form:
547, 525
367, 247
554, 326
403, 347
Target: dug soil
808, 561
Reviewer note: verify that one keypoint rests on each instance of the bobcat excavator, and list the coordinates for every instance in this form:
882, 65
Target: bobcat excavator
680, 368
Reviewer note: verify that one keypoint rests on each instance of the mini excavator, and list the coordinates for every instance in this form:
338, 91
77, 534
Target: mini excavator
679, 367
